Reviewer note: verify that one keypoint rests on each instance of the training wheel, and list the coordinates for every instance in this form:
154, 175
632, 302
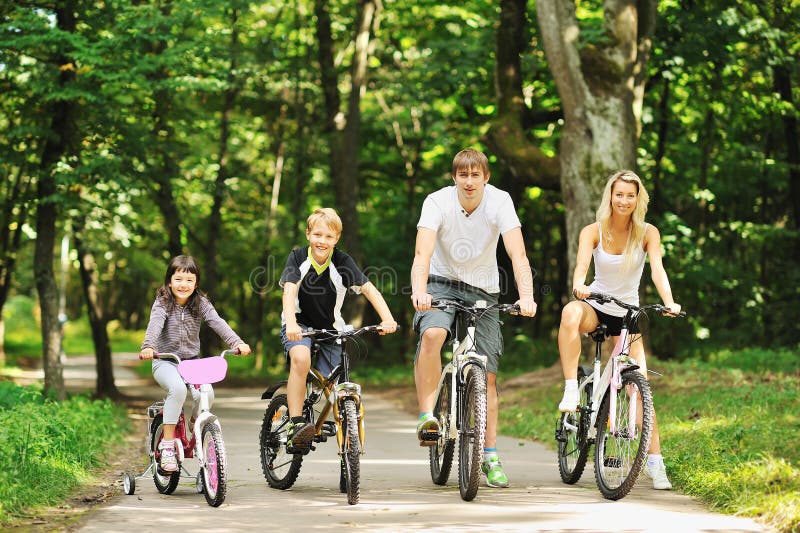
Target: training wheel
198, 484
129, 483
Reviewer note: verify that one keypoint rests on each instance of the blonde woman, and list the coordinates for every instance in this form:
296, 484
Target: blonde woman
618, 243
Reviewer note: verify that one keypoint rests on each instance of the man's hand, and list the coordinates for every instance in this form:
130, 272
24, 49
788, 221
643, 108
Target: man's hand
421, 301
527, 307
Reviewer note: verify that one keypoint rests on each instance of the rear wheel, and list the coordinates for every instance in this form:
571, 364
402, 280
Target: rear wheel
441, 453
351, 454
572, 434
472, 433
619, 455
164, 482
215, 471
280, 468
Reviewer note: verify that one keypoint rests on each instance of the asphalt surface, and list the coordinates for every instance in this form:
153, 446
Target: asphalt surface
396, 489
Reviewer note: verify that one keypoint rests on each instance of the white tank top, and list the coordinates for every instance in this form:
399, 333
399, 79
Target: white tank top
608, 278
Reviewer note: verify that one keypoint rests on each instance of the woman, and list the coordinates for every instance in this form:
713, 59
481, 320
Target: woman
617, 242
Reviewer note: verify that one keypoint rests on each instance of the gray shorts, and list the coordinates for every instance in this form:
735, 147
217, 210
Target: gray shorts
328, 358
490, 338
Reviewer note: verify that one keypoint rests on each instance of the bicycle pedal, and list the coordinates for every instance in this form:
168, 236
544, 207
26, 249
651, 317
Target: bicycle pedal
299, 450
612, 462
429, 438
328, 428
321, 438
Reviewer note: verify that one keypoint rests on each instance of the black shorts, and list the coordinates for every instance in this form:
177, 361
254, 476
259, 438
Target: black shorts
613, 323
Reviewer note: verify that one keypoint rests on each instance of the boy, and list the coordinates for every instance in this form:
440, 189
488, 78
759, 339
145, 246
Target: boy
315, 281
455, 258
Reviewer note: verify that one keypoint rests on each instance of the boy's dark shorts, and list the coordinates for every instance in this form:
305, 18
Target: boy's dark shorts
328, 358
490, 338
613, 323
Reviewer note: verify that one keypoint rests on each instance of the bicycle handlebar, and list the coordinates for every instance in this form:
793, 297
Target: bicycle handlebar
340, 334
605, 298
512, 309
169, 356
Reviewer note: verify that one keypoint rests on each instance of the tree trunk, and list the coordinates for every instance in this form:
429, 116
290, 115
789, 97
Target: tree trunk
507, 137
105, 386
783, 86
601, 86
63, 141
14, 216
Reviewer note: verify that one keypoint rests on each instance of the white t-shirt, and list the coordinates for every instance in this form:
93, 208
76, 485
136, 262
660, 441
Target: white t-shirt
466, 246
608, 278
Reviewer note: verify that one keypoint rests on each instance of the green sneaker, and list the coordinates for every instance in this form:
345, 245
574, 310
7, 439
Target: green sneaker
300, 436
495, 475
428, 430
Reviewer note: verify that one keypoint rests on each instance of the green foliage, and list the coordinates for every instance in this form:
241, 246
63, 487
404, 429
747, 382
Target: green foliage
725, 426
48, 447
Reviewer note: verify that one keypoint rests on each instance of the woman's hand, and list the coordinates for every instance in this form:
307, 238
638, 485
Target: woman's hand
244, 349
387, 326
147, 354
581, 292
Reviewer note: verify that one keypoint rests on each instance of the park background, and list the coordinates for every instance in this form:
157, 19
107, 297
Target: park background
134, 131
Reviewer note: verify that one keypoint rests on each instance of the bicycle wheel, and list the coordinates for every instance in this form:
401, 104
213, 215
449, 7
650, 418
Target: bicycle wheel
572, 434
619, 456
351, 452
165, 483
279, 467
215, 483
441, 453
472, 433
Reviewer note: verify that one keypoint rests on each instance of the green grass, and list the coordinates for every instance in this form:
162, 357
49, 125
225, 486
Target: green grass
23, 336
729, 429
47, 448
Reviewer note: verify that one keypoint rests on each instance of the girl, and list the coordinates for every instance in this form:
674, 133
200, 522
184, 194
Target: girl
618, 242
174, 327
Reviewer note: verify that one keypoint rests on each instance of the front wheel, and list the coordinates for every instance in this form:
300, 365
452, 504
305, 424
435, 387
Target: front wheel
279, 467
165, 483
620, 451
472, 432
572, 434
441, 453
351, 452
215, 470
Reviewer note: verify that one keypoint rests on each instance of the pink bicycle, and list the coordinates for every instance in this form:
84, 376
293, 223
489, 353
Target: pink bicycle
209, 450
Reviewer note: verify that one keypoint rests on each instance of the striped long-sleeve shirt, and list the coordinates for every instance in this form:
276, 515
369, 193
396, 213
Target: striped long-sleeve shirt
178, 332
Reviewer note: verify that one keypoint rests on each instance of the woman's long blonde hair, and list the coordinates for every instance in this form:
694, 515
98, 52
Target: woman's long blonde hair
636, 235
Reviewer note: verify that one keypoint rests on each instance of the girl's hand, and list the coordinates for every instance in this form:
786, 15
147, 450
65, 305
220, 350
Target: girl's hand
293, 332
387, 326
581, 292
147, 354
244, 349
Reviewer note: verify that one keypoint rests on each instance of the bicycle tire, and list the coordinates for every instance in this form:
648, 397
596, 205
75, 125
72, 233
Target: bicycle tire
573, 445
472, 434
279, 467
165, 484
351, 452
441, 453
215, 484
619, 458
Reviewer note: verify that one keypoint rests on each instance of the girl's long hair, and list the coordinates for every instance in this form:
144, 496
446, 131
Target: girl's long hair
636, 236
182, 263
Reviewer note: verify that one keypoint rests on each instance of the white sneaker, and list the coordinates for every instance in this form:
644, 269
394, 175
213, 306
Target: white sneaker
658, 473
570, 400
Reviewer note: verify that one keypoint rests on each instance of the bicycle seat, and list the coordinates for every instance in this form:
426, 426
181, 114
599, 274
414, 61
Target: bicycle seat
600, 333
206, 370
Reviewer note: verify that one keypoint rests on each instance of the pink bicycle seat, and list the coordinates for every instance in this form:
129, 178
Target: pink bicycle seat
206, 370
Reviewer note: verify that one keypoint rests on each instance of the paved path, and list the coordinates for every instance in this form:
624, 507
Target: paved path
396, 491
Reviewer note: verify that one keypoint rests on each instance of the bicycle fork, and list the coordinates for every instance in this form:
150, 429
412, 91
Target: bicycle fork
353, 391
